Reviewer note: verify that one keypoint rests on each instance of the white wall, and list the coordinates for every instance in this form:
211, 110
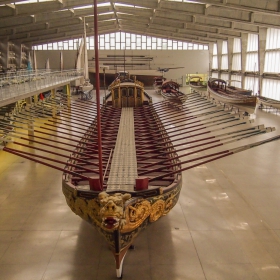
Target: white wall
193, 61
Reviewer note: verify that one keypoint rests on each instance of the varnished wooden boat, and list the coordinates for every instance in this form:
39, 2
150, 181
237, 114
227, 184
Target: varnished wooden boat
237, 97
139, 177
269, 103
170, 90
125, 203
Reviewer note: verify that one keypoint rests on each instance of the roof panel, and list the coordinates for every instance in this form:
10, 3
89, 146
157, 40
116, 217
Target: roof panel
220, 19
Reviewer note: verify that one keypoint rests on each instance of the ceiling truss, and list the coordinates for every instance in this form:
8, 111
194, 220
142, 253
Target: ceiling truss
197, 21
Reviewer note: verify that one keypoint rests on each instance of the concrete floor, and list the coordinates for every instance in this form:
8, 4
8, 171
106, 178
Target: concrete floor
226, 225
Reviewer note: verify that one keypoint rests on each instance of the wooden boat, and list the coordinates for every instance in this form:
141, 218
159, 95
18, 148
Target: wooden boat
196, 82
158, 81
268, 103
237, 97
125, 203
139, 177
170, 90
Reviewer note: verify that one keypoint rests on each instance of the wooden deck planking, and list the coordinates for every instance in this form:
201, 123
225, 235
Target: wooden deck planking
124, 164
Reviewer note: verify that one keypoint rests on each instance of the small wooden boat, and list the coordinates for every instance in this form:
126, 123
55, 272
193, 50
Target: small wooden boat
170, 90
196, 82
268, 103
158, 81
236, 97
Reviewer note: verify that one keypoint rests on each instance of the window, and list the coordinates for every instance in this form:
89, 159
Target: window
215, 57
252, 58
224, 64
272, 52
122, 40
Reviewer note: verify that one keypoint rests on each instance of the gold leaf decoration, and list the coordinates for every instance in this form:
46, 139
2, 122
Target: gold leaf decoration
136, 215
157, 210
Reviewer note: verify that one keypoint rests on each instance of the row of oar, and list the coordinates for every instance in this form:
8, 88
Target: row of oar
67, 133
188, 131
198, 128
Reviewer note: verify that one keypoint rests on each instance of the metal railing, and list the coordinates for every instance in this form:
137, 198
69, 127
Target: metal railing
17, 84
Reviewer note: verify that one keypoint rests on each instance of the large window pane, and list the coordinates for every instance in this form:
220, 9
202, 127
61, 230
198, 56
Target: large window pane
252, 83
252, 62
271, 88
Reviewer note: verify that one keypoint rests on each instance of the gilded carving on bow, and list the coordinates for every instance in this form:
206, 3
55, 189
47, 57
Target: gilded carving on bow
136, 215
157, 210
112, 209
86, 209
93, 211
119, 211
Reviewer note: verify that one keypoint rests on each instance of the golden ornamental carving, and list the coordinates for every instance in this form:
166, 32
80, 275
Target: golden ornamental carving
157, 210
169, 203
136, 215
112, 210
119, 211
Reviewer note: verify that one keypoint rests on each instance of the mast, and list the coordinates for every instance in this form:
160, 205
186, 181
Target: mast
79, 56
97, 93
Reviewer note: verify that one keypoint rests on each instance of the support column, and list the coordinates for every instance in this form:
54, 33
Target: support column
211, 46
219, 55
261, 54
244, 43
30, 124
230, 55
68, 94
35, 98
54, 106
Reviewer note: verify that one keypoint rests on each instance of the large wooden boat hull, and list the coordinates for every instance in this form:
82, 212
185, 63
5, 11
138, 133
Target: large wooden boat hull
145, 208
121, 211
134, 209
265, 102
247, 103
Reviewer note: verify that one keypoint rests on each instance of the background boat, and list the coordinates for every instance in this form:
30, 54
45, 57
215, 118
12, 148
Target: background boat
196, 82
237, 97
268, 103
170, 90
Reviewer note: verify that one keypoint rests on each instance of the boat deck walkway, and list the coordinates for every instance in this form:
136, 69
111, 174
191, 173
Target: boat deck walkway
124, 164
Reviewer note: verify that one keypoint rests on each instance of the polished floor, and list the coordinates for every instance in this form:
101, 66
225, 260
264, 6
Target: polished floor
226, 225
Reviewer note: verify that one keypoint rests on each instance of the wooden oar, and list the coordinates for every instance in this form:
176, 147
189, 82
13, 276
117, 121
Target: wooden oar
55, 153
220, 155
25, 155
82, 141
192, 124
167, 137
217, 137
